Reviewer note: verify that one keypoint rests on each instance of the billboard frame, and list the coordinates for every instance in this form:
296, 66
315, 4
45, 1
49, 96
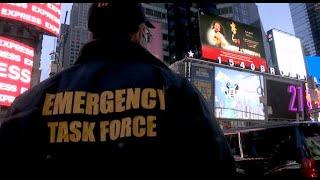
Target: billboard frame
266, 76
274, 58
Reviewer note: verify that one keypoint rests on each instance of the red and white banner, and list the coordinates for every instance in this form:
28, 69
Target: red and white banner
16, 61
43, 15
230, 57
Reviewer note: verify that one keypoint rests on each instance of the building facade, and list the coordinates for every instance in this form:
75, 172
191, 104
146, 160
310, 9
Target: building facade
157, 12
306, 23
73, 36
183, 30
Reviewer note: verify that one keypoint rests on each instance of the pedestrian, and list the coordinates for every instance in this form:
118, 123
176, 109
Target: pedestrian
119, 110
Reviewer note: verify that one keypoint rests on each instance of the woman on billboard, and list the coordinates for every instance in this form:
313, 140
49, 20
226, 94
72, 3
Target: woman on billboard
215, 37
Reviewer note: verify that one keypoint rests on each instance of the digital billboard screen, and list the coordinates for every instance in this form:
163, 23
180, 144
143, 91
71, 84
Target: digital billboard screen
202, 77
16, 61
313, 65
226, 39
45, 16
285, 99
238, 94
287, 54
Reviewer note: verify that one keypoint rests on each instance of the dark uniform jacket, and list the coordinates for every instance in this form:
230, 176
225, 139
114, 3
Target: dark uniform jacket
117, 110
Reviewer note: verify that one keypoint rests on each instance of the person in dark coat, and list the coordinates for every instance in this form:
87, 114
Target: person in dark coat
119, 110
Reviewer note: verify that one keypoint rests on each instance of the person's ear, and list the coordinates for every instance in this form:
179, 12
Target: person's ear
135, 34
90, 36
135, 37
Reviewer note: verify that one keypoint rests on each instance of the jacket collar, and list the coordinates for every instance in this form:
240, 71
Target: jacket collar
111, 50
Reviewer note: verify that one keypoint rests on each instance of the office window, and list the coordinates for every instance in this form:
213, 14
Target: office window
149, 11
157, 14
230, 10
165, 36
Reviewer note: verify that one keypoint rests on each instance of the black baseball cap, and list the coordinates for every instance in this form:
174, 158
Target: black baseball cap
122, 15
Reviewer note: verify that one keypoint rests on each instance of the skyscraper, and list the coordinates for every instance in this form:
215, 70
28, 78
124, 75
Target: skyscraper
74, 36
306, 23
61, 44
183, 29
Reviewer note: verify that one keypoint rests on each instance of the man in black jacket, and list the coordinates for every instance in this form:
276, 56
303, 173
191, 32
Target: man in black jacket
118, 109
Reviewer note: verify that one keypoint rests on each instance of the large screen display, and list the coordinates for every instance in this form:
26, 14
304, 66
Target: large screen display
285, 99
313, 65
16, 61
225, 39
287, 54
238, 94
46, 16
202, 77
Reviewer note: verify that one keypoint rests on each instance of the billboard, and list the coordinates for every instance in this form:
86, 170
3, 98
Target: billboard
287, 54
202, 77
313, 65
16, 61
238, 95
155, 44
231, 42
285, 99
45, 16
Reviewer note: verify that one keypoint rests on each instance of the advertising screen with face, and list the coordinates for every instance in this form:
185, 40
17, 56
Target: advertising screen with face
226, 39
287, 53
45, 16
238, 95
16, 61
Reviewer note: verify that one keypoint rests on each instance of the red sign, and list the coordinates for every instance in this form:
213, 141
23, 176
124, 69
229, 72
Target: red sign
16, 61
234, 59
43, 15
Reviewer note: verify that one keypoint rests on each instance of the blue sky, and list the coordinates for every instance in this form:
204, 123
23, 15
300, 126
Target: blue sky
313, 66
48, 44
273, 15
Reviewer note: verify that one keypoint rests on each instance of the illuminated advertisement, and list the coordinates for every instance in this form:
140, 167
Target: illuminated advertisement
202, 77
238, 95
16, 61
155, 45
46, 16
231, 42
313, 102
285, 99
313, 97
287, 54
313, 65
